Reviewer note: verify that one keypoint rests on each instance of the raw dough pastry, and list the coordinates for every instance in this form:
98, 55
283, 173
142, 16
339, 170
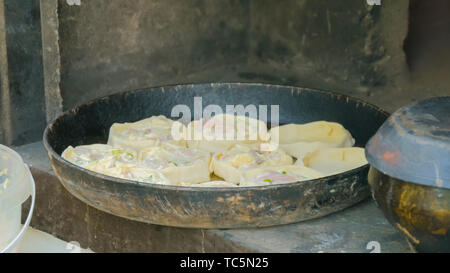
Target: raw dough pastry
300, 139
155, 150
237, 159
99, 156
219, 132
335, 160
146, 133
112, 161
178, 164
278, 175
139, 174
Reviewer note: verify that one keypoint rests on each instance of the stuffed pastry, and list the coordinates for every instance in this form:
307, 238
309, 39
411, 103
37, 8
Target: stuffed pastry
178, 164
219, 132
146, 133
335, 160
278, 175
112, 161
300, 139
237, 159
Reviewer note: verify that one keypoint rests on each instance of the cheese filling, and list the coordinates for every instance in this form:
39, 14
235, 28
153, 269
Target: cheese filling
178, 164
278, 175
237, 159
112, 161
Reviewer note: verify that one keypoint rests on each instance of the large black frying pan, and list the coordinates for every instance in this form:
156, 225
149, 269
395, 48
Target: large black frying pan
212, 207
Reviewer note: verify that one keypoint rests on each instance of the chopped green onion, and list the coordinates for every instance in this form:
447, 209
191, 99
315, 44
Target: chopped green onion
116, 152
268, 181
130, 155
283, 172
170, 162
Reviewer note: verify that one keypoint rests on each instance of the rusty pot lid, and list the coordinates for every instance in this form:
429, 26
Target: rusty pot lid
414, 144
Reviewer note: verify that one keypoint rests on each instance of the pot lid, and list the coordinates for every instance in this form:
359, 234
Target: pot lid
414, 144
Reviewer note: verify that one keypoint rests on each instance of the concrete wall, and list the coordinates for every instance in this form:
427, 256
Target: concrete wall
111, 46
22, 107
328, 44
106, 46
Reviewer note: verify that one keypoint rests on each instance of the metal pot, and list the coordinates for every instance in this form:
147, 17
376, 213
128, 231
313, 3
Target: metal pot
410, 172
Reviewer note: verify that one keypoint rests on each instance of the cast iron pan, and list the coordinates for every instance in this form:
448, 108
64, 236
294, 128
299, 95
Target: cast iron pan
212, 207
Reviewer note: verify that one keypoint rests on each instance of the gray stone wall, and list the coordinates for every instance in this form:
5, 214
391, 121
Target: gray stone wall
102, 47
22, 107
346, 46
111, 46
